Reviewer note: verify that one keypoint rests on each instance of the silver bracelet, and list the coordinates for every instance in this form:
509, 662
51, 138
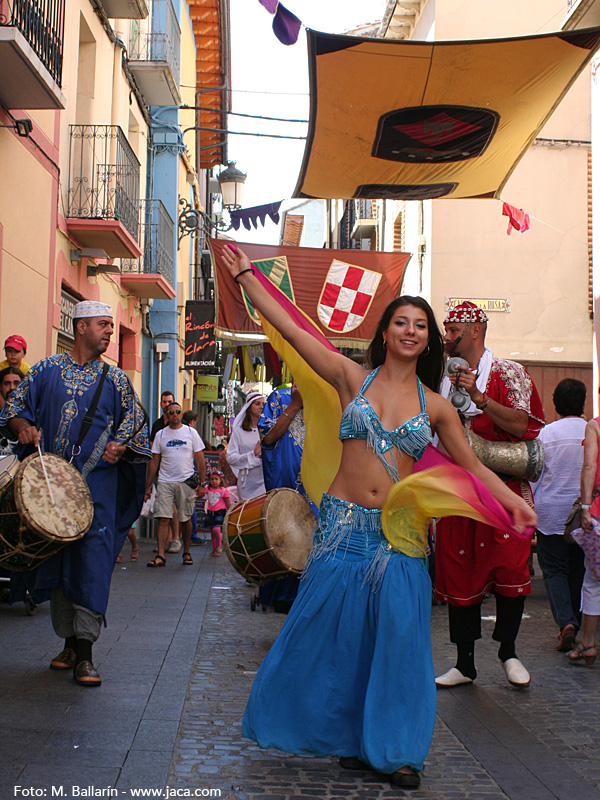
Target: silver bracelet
585, 506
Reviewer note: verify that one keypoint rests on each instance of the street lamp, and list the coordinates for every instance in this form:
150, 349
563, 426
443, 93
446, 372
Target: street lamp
232, 180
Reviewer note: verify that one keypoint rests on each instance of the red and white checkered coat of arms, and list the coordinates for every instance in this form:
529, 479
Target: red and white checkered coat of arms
347, 294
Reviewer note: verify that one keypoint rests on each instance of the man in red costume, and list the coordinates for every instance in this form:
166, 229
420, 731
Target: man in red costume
472, 558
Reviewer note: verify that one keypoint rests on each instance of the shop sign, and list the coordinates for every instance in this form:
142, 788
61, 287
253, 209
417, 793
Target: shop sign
67, 305
200, 343
487, 304
207, 388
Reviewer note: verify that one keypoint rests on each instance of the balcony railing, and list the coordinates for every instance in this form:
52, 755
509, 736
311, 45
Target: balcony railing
157, 40
104, 176
363, 209
158, 237
42, 24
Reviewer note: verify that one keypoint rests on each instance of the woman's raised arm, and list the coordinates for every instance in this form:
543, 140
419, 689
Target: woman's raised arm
332, 367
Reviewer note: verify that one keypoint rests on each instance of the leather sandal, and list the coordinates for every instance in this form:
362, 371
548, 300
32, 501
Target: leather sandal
64, 660
187, 559
406, 780
566, 639
86, 675
157, 561
581, 653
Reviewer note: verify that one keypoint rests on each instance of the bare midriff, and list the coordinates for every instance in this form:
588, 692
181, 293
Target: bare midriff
362, 478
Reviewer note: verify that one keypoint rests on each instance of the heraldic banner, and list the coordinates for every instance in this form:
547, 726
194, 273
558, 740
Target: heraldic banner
344, 292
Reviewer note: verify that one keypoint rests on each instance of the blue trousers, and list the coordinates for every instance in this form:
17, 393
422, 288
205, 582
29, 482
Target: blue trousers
563, 567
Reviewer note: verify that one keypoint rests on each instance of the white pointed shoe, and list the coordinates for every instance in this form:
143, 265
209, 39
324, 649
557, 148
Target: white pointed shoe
516, 672
453, 677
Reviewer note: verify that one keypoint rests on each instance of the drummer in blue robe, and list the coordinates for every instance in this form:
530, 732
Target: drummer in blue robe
48, 407
281, 427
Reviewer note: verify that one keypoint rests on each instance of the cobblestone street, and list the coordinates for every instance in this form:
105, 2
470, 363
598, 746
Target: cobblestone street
178, 659
491, 741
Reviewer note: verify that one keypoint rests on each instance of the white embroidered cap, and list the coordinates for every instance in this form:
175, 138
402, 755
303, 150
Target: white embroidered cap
91, 308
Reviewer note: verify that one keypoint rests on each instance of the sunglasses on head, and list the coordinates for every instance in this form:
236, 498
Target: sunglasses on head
173, 411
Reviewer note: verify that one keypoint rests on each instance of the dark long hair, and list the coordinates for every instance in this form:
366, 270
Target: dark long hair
430, 365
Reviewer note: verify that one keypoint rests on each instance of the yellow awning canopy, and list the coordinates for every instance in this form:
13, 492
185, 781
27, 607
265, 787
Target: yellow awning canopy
418, 120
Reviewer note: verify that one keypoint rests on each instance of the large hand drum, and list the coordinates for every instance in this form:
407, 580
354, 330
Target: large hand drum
32, 527
269, 536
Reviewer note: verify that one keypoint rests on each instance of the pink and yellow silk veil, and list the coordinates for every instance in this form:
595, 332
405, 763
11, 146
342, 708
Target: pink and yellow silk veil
437, 487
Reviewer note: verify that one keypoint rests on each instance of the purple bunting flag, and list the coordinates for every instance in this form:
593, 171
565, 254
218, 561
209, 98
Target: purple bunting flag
286, 26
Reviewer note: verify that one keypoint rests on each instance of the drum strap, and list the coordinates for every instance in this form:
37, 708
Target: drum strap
91, 412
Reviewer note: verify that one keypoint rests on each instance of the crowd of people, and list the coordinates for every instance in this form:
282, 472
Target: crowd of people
360, 614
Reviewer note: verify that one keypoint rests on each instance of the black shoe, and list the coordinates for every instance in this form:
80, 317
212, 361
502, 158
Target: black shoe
405, 780
351, 762
64, 660
86, 675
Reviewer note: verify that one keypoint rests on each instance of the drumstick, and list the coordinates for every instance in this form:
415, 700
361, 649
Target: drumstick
45, 474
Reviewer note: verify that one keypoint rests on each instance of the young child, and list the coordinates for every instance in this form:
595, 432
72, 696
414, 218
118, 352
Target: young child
217, 503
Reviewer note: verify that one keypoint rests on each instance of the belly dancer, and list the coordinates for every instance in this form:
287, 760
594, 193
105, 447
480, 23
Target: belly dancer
351, 672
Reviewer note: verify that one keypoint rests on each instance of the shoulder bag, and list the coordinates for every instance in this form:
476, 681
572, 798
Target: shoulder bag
573, 520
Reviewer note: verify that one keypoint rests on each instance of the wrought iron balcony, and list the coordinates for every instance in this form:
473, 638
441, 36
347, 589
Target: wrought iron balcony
31, 53
103, 205
365, 220
154, 54
153, 274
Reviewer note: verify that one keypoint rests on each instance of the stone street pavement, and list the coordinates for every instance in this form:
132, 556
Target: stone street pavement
491, 741
177, 661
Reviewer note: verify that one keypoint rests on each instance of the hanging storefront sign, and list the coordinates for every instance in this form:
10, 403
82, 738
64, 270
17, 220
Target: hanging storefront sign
64, 340
67, 304
200, 344
229, 398
207, 388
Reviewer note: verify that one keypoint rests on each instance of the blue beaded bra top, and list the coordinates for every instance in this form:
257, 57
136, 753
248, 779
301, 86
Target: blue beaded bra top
359, 421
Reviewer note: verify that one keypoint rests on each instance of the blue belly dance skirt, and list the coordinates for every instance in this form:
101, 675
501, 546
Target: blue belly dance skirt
351, 672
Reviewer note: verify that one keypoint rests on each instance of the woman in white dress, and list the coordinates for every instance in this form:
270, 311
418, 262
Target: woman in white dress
243, 452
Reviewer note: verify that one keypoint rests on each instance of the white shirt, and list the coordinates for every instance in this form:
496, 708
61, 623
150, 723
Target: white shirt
246, 466
176, 448
558, 487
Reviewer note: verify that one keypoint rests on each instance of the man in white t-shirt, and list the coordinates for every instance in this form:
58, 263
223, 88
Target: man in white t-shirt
175, 451
554, 493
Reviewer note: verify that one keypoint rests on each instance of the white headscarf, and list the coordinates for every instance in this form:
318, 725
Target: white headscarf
250, 398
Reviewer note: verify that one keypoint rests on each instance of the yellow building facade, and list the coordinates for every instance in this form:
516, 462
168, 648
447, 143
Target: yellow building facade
81, 210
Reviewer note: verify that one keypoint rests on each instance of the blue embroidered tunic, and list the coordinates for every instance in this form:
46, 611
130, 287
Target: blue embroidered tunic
55, 395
